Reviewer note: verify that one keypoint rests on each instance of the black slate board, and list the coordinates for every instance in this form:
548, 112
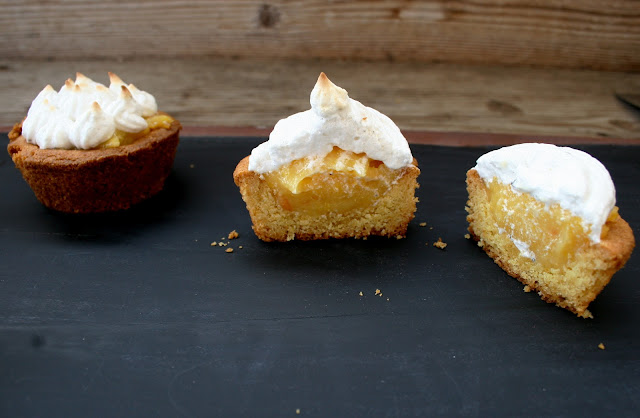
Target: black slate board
135, 314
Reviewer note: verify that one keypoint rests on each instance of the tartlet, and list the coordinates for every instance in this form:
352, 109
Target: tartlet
547, 216
118, 170
338, 170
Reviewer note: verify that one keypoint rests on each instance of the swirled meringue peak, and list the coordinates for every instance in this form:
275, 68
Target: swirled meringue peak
84, 113
333, 120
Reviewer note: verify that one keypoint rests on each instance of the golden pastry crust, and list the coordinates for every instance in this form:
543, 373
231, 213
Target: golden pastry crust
389, 216
96, 180
572, 287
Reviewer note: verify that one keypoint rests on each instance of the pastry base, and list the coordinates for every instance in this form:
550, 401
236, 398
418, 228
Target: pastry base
389, 216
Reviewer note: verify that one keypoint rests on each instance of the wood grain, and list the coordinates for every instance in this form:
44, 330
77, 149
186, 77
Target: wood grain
565, 34
418, 97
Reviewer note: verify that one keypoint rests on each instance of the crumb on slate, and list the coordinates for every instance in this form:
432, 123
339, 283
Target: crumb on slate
229, 250
422, 224
526, 288
467, 236
378, 292
213, 244
233, 234
601, 346
440, 244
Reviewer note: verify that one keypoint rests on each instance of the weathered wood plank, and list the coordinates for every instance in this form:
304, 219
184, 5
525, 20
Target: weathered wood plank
417, 96
565, 34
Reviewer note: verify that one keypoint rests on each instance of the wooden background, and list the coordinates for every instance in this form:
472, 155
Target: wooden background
489, 66
569, 33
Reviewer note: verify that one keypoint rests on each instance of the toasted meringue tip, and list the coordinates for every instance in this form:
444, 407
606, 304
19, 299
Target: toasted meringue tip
80, 76
69, 83
322, 78
48, 87
95, 106
324, 82
132, 88
124, 92
114, 78
102, 87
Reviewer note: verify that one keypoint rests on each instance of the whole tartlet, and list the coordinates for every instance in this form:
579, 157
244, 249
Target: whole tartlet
89, 148
337, 170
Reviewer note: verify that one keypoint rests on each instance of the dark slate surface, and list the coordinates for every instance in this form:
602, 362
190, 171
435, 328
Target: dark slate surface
135, 314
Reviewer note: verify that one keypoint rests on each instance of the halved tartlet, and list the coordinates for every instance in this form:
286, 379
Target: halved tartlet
126, 146
547, 216
292, 203
338, 170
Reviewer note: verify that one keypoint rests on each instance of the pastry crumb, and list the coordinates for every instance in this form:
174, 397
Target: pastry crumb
387, 299
378, 292
213, 244
360, 294
467, 236
233, 234
440, 244
430, 228
399, 237
601, 346
422, 224
240, 246
526, 288
229, 250
223, 244
297, 411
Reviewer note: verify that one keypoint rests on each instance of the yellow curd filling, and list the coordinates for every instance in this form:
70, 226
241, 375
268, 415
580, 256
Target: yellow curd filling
552, 233
119, 138
338, 182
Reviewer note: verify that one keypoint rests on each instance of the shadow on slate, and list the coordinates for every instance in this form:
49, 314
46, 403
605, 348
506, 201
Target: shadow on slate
136, 314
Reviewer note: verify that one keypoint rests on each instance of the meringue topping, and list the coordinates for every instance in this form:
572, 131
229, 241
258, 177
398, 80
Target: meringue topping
555, 175
333, 120
83, 113
91, 127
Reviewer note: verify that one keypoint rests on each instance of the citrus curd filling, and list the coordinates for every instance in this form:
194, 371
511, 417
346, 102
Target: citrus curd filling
338, 182
548, 234
119, 137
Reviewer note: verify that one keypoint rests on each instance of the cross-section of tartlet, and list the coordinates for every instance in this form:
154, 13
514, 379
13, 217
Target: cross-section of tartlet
89, 148
547, 216
338, 170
